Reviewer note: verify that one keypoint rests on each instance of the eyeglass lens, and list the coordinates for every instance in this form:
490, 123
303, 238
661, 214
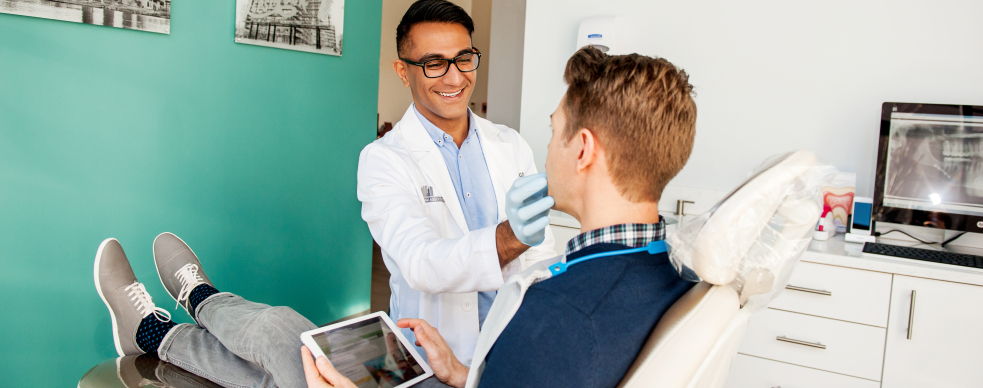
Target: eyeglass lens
438, 67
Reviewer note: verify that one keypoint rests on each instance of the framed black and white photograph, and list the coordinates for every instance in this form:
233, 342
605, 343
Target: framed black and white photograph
143, 15
314, 26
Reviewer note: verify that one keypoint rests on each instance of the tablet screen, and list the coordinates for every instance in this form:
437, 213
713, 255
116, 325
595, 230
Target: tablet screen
369, 354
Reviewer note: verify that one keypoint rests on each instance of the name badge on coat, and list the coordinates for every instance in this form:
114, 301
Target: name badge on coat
428, 195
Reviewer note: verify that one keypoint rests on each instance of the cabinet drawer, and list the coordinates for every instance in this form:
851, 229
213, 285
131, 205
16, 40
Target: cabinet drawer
850, 348
854, 295
754, 372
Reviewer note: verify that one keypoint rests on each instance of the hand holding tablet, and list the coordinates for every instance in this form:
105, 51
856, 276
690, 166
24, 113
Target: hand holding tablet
368, 350
442, 360
322, 375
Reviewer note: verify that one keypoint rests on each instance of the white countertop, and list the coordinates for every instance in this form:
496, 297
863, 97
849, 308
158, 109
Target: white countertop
559, 218
836, 251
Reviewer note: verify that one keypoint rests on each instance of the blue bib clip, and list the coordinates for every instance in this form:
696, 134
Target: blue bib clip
654, 248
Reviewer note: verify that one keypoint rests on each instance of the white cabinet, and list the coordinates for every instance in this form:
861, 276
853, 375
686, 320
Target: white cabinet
828, 330
946, 344
839, 293
850, 327
820, 343
754, 372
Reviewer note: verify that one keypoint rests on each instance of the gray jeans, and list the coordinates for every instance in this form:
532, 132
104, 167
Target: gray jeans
238, 344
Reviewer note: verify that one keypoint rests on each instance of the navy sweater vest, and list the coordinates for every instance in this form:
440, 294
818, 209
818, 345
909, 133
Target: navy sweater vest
583, 328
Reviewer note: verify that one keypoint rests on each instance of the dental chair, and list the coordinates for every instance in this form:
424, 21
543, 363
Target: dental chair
742, 252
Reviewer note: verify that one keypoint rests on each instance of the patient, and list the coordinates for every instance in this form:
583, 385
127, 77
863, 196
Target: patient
624, 128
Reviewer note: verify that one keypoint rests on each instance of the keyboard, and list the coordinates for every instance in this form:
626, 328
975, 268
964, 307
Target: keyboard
924, 255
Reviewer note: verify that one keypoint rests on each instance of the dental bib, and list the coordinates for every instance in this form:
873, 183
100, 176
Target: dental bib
511, 294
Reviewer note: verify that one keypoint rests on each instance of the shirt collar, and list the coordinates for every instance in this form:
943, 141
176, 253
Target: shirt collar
438, 135
631, 235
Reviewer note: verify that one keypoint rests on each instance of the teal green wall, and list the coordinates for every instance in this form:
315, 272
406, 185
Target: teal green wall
248, 153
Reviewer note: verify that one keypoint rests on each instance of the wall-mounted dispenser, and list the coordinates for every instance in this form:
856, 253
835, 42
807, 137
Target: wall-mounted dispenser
602, 32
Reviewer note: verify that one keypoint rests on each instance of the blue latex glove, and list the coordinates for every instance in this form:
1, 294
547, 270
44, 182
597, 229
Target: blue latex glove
527, 207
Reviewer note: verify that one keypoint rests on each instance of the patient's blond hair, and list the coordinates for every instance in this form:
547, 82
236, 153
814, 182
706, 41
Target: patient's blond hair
642, 112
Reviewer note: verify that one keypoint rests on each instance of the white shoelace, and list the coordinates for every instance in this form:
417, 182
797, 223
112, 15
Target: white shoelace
188, 275
144, 303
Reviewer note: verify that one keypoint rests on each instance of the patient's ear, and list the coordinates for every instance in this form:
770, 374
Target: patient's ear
588, 153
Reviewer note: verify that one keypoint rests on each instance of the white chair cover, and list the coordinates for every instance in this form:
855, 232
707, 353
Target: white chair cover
742, 251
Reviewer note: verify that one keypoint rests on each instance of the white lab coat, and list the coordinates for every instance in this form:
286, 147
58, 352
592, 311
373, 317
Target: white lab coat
437, 265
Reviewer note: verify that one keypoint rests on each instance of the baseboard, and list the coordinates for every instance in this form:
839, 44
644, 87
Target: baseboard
356, 315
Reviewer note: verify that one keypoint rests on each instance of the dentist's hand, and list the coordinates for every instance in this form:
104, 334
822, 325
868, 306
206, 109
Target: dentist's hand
527, 207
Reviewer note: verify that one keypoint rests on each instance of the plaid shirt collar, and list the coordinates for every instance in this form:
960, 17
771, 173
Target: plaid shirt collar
631, 235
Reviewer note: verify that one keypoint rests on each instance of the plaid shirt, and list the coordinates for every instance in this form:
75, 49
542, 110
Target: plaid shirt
631, 235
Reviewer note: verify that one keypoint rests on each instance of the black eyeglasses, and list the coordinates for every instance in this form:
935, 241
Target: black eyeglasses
437, 67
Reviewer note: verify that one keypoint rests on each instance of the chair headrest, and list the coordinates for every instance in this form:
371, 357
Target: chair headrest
754, 236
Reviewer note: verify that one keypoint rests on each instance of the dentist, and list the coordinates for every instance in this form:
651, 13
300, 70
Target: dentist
435, 190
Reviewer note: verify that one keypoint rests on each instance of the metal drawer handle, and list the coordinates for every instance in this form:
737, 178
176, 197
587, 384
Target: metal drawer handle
911, 315
795, 341
810, 290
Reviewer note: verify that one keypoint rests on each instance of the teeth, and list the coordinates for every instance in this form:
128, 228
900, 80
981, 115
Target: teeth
451, 94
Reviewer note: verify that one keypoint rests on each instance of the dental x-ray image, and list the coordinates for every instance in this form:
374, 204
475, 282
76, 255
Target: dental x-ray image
935, 163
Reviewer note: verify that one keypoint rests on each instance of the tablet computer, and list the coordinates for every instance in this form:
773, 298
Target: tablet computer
370, 351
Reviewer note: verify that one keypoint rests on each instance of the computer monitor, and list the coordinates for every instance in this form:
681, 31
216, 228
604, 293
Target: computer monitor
930, 166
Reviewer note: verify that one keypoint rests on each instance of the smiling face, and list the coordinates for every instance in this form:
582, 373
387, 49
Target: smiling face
441, 99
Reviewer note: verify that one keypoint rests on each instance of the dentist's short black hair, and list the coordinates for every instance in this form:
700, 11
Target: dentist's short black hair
430, 11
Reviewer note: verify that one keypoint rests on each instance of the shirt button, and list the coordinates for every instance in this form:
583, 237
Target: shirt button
467, 306
460, 156
468, 361
467, 195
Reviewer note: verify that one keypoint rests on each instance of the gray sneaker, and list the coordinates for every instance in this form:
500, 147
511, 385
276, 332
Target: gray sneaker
178, 269
126, 298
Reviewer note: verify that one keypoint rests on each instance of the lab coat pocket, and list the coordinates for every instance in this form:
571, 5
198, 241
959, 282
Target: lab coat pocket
439, 215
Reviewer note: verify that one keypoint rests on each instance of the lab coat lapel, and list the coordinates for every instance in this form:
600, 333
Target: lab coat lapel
500, 160
432, 163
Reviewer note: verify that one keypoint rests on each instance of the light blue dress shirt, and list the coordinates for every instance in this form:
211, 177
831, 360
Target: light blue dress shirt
472, 182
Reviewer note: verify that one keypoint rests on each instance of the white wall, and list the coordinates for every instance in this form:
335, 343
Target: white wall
481, 14
393, 97
504, 65
773, 76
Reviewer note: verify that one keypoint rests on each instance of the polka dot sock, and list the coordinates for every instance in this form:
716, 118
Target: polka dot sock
199, 294
151, 331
